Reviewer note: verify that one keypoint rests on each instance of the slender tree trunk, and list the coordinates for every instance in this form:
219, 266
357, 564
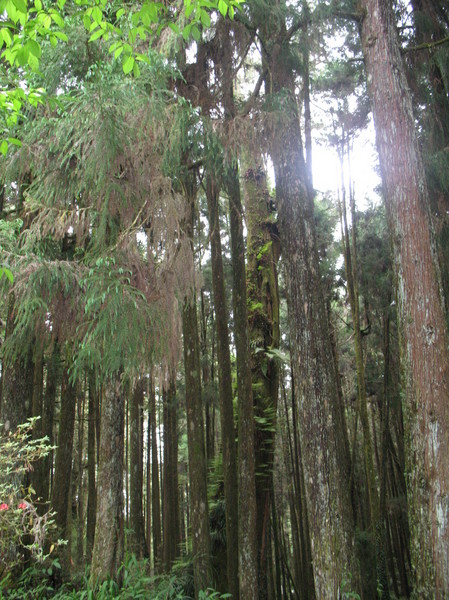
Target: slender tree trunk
225, 387
199, 512
108, 551
423, 331
247, 507
91, 468
78, 484
63, 465
136, 520
172, 537
155, 488
48, 411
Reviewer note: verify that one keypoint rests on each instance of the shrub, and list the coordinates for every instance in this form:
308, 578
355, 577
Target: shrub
22, 528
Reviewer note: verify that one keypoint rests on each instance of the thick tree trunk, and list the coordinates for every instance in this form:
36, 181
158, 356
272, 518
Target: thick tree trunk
136, 520
108, 552
321, 427
225, 390
263, 316
17, 380
423, 332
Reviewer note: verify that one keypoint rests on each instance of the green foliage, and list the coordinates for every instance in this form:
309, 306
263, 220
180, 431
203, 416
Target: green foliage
36, 584
21, 526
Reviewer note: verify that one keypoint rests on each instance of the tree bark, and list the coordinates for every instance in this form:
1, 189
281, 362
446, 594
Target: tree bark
263, 317
108, 551
423, 331
91, 466
321, 430
172, 537
199, 511
63, 465
136, 520
155, 488
247, 507
225, 391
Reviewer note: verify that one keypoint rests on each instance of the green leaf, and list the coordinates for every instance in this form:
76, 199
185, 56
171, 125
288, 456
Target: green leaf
196, 34
22, 56
6, 35
61, 36
128, 64
118, 51
136, 69
97, 15
87, 22
34, 48
14, 141
97, 34
7, 273
222, 7
21, 6
4, 147
57, 19
205, 18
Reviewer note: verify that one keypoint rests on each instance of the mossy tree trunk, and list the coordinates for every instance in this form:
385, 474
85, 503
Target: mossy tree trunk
422, 326
225, 391
263, 316
108, 551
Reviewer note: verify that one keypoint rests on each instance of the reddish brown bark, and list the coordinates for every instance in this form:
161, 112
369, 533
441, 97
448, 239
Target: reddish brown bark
423, 332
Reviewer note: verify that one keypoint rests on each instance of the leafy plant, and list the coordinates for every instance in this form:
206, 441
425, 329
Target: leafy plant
21, 526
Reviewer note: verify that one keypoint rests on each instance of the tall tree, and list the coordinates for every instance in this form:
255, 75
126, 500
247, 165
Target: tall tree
424, 338
170, 491
136, 520
225, 390
109, 548
199, 512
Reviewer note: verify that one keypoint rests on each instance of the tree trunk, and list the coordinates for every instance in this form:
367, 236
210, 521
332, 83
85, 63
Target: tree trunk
155, 496
225, 389
108, 551
172, 537
91, 467
63, 466
321, 427
248, 551
263, 317
199, 511
17, 380
423, 331
136, 520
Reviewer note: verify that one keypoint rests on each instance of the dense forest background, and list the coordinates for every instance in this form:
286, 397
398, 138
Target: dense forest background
243, 379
